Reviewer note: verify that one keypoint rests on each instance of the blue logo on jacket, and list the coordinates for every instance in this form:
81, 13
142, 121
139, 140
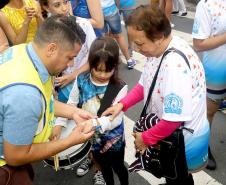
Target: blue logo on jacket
173, 104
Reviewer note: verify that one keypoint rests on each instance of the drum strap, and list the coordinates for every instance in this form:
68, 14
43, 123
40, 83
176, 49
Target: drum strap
110, 94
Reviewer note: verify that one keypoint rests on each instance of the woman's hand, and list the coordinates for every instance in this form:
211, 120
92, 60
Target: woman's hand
139, 144
56, 132
114, 111
64, 80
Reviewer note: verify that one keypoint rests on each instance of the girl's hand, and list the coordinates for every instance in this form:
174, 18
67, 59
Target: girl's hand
64, 80
139, 144
79, 136
31, 12
56, 132
114, 111
88, 126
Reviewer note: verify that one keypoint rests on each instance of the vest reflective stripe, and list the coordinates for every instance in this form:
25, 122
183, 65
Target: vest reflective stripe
17, 68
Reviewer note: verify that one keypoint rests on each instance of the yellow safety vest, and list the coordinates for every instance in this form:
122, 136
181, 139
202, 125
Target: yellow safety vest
17, 68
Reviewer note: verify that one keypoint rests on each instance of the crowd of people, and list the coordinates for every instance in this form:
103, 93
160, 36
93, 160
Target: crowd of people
59, 61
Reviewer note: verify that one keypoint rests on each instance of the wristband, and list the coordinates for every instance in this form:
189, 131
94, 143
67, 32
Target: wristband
96, 125
94, 121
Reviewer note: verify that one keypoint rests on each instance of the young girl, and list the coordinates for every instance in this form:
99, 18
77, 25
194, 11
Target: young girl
91, 92
112, 25
65, 82
91, 10
126, 8
20, 19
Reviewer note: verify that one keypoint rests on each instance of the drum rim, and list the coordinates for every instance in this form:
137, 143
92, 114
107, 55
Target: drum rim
66, 162
73, 153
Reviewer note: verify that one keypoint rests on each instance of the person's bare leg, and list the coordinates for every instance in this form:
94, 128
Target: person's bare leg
212, 108
168, 8
122, 44
162, 5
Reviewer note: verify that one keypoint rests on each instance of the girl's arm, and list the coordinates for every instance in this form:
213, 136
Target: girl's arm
209, 43
105, 121
107, 124
38, 15
10, 33
68, 78
95, 10
80, 70
73, 101
3, 41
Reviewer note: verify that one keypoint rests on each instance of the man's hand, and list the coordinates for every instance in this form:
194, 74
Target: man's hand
114, 111
79, 135
88, 126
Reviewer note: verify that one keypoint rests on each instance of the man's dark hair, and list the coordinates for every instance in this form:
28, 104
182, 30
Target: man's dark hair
59, 29
71, 20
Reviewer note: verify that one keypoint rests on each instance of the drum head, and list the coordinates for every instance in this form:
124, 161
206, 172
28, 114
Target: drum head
73, 155
65, 133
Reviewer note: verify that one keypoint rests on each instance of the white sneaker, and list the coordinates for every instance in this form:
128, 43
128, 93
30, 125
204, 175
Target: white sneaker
182, 14
172, 25
131, 63
98, 179
84, 167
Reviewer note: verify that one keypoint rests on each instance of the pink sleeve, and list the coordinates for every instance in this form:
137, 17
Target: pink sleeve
160, 131
133, 97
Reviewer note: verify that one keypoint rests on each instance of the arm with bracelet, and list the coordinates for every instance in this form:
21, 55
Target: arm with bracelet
105, 123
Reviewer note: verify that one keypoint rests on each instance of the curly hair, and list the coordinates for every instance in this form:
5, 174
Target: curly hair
151, 20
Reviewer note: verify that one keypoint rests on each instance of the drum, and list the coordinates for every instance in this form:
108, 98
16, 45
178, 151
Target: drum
73, 155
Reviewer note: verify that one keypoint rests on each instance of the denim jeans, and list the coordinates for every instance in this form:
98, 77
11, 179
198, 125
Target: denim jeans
112, 24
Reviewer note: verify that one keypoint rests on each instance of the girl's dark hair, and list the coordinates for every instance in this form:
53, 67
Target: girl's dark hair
151, 20
42, 4
105, 50
3, 3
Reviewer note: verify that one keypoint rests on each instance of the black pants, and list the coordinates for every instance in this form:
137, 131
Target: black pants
186, 181
110, 161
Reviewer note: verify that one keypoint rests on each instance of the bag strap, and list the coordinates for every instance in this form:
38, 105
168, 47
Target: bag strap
156, 75
109, 95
